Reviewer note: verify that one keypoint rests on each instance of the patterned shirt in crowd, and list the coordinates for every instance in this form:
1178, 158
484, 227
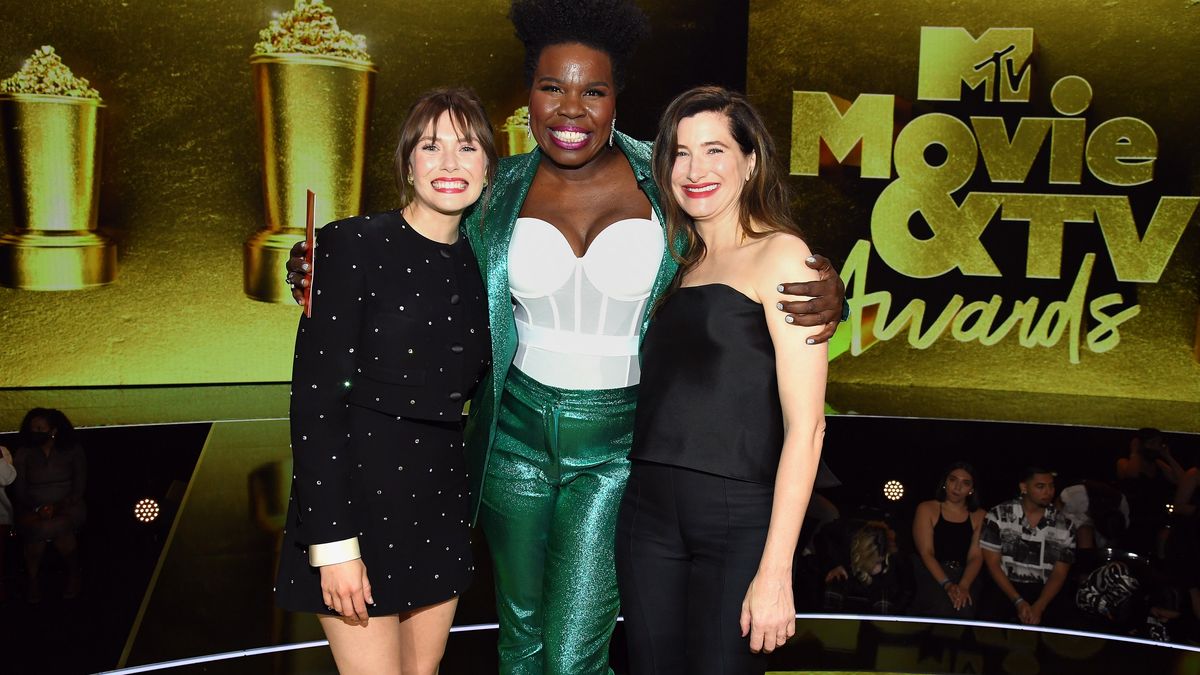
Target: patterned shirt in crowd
1027, 554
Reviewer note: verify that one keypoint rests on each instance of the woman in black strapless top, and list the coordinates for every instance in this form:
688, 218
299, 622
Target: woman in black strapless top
726, 440
946, 534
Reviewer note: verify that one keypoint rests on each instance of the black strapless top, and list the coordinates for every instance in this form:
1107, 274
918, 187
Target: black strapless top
709, 397
952, 541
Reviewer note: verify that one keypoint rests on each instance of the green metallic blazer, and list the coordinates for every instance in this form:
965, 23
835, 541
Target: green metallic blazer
490, 228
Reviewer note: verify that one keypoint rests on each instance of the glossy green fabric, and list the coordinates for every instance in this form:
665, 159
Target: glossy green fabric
549, 509
552, 476
490, 227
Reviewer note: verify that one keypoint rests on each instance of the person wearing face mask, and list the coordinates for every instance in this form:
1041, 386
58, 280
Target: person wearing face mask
377, 540
730, 415
51, 478
1028, 547
575, 255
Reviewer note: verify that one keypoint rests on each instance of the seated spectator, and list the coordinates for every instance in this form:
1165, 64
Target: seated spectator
1099, 512
1148, 477
1183, 546
862, 572
1028, 548
8, 473
51, 476
1187, 498
1128, 598
946, 533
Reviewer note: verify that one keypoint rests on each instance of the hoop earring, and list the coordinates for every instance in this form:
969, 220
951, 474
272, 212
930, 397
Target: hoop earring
613, 131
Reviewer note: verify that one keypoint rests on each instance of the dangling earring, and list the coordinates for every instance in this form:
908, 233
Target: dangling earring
612, 132
485, 183
410, 179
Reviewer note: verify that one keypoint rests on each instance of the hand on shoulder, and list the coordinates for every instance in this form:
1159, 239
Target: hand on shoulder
781, 260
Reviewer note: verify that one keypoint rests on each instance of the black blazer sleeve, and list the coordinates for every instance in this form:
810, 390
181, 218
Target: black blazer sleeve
321, 372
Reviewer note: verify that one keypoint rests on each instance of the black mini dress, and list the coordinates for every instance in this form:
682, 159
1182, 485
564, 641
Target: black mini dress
397, 343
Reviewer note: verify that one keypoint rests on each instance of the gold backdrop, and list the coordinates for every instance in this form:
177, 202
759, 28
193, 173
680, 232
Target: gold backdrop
1137, 57
181, 182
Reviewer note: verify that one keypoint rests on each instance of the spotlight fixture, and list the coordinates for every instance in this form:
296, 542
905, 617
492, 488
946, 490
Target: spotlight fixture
1170, 508
146, 510
893, 490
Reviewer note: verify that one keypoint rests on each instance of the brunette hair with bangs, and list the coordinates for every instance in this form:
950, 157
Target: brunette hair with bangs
466, 114
764, 207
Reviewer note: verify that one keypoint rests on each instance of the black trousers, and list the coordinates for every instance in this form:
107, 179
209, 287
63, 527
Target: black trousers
688, 545
997, 607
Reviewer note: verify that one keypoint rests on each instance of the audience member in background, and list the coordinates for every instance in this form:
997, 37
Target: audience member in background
946, 534
1129, 598
821, 511
1187, 498
1028, 547
1183, 545
1099, 512
51, 477
861, 568
8, 473
1148, 477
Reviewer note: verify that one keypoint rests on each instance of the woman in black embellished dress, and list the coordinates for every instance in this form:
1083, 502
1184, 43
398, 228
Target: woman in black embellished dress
377, 539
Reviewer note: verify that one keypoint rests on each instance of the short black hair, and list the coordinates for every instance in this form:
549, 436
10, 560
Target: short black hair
64, 430
615, 27
1032, 470
1147, 434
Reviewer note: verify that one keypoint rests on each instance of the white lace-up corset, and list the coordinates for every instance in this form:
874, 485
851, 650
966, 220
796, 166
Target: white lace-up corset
578, 318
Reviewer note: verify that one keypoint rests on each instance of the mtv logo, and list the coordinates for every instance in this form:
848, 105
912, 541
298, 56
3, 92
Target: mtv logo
997, 61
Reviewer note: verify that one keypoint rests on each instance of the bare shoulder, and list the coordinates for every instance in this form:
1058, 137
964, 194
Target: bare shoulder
926, 508
781, 258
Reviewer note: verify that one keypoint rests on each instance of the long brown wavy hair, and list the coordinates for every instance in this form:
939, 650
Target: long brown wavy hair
764, 205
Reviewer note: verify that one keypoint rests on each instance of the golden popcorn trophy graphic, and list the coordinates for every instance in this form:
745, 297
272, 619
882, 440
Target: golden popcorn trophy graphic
51, 128
514, 137
312, 84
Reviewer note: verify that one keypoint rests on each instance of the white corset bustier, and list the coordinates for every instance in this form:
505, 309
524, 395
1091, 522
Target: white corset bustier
578, 318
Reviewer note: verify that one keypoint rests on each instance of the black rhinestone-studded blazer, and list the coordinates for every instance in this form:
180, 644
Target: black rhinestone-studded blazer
399, 325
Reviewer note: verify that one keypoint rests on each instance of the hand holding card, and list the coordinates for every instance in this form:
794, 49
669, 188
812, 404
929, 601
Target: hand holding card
310, 240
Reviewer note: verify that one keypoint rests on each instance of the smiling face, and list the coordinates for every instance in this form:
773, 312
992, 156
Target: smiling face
710, 167
448, 170
572, 101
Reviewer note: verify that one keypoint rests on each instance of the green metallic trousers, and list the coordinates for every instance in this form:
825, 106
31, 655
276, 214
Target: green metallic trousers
554, 483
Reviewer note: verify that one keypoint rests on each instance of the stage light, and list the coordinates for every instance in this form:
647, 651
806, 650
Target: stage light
1170, 508
893, 490
146, 510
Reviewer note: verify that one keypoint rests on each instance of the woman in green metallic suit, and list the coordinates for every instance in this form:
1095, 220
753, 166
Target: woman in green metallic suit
574, 256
